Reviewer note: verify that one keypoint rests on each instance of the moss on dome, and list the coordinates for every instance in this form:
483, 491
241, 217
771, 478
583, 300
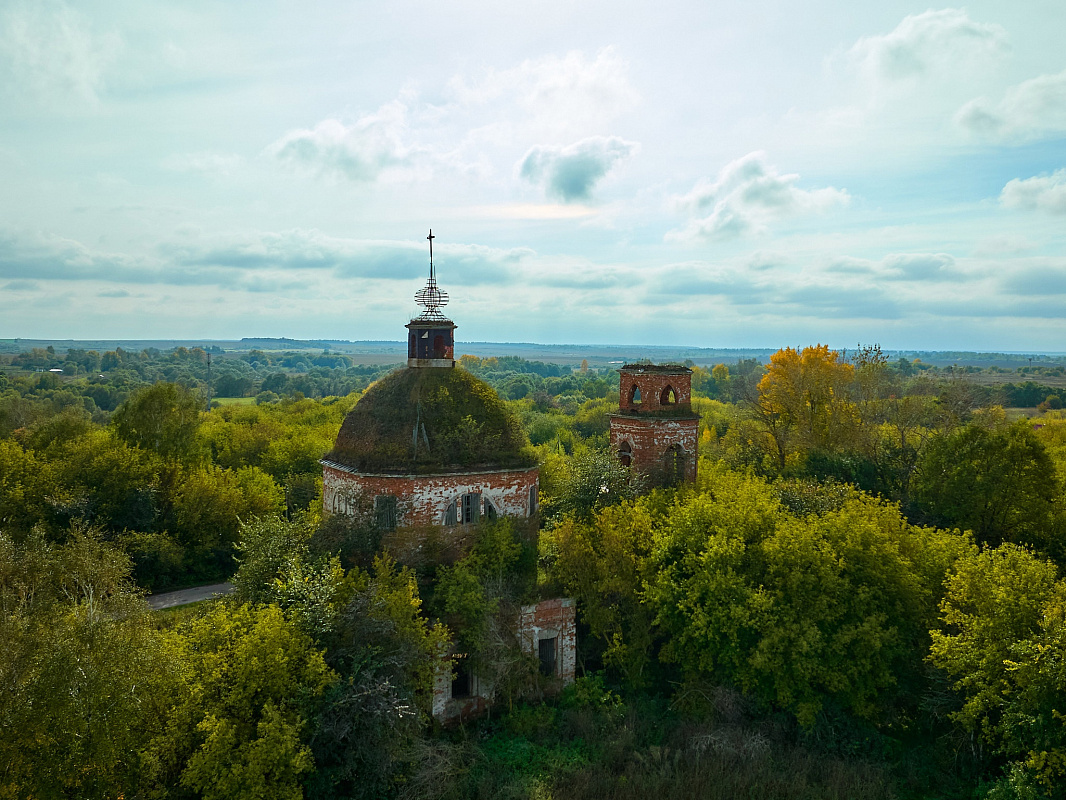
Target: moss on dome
466, 423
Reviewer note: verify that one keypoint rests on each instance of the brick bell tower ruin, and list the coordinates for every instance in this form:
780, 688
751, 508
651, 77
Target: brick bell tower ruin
655, 431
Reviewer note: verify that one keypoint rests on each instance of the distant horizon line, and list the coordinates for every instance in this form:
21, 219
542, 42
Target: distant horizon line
400, 344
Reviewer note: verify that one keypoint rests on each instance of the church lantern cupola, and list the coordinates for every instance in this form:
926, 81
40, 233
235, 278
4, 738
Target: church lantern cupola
431, 335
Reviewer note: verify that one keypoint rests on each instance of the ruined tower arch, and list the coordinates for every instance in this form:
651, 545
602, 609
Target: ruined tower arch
655, 432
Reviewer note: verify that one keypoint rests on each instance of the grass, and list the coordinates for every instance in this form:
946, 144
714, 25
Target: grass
607, 749
233, 401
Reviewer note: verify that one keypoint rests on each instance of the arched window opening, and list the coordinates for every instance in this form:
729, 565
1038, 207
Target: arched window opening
438, 346
668, 397
674, 464
625, 454
490, 510
634, 395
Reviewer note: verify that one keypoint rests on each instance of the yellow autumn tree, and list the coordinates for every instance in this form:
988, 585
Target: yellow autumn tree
804, 399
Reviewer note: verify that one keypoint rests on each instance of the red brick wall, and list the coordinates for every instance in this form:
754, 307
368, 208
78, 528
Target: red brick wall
424, 499
551, 619
650, 437
652, 384
547, 619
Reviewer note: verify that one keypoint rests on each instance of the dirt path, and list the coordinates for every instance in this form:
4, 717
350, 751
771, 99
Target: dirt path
185, 596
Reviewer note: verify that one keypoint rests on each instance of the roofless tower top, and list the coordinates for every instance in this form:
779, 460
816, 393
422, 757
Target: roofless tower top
431, 335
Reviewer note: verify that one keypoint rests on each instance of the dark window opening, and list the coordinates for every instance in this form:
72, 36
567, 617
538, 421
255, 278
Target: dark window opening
625, 454
461, 683
634, 395
532, 500
385, 512
668, 397
471, 507
546, 652
451, 516
674, 464
490, 510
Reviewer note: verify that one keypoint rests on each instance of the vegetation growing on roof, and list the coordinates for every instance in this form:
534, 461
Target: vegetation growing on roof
431, 420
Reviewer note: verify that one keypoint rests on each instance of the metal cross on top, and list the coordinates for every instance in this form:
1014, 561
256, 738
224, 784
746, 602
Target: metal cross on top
431, 297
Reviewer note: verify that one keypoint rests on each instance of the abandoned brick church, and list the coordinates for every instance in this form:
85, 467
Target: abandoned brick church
437, 449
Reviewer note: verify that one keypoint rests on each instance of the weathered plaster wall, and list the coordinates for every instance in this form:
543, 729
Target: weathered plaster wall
549, 619
424, 499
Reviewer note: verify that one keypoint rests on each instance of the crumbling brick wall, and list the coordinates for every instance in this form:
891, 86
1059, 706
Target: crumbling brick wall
551, 619
425, 499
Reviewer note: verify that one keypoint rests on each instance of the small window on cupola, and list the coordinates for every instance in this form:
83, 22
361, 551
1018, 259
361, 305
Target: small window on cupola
668, 397
634, 395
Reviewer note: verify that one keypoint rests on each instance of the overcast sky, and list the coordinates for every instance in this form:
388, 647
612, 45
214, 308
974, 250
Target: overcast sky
726, 174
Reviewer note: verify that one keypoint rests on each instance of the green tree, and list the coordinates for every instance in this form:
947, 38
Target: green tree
84, 674
238, 728
1000, 484
162, 418
797, 611
605, 564
1002, 641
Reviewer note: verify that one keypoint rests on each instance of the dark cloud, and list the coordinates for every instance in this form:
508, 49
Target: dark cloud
22, 286
1037, 281
851, 302
258, 262
570, 173
919, 267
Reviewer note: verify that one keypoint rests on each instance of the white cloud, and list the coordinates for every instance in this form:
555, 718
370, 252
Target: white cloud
570, 173
747, 196
930, 45
359, 152
1043, 193
49, 52
1030, 110
560, 94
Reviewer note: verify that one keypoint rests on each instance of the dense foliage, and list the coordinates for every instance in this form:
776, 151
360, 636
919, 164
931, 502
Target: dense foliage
860, 597
428, 420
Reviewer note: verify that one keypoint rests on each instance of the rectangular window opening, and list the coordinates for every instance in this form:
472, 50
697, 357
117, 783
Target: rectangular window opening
547, 654
385, 512
461, 683
471, 507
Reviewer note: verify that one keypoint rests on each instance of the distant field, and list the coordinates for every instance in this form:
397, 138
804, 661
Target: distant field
997, 379
233, 401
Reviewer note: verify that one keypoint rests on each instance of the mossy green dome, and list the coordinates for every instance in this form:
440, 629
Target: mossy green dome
466, 424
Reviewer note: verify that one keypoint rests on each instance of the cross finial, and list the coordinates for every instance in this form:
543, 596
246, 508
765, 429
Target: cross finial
431, 237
